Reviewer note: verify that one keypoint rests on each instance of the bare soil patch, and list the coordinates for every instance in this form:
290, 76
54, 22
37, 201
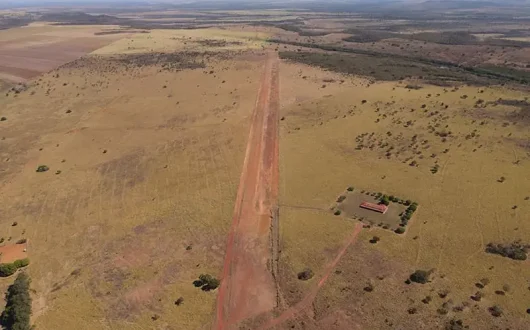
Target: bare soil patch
349, 207
27, 52
13, 252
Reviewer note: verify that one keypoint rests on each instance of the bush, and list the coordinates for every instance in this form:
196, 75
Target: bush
384, 200
7, 269
408, 202
495, 311
179, 301
306, 274
375, 239
22, 241
420, 276
206, 282
350, 189
21, 263
515, 250
455, 325
42, 168
341, 199
17, 312
400, 230
3, 119
337, 212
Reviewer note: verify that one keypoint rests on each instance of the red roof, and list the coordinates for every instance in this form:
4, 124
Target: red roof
381, 208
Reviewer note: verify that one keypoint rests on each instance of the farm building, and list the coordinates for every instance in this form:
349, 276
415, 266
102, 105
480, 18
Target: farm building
374, 207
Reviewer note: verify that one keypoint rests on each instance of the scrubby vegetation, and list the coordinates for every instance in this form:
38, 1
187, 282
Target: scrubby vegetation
386, 66
306, 274
206, 282
17, 313
420, 276
42, 168
515, 250
8, 269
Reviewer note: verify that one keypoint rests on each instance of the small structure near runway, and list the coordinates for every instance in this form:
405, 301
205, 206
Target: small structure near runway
381, 208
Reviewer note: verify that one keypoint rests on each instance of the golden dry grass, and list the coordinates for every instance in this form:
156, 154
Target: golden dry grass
148, 170
462, 207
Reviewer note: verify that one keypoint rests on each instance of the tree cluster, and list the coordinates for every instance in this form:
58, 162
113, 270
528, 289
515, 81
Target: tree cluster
16, 315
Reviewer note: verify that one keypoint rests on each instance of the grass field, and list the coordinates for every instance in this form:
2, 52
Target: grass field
149, 162
463, 206
143, 129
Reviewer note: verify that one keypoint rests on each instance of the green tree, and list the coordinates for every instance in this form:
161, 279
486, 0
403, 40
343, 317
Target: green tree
384, 200
7, 269
16, 315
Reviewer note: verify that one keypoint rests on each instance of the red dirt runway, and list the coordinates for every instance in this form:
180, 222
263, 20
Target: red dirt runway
247, 288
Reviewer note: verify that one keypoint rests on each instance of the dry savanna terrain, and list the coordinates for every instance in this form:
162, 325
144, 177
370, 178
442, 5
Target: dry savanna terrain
144, 153
142, 130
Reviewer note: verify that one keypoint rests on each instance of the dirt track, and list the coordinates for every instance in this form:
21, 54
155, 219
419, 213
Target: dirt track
248, 288
308, 300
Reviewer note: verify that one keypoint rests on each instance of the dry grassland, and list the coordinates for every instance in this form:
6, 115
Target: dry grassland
462, 206
149, 160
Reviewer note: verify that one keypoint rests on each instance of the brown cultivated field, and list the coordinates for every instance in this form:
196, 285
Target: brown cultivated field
28, 51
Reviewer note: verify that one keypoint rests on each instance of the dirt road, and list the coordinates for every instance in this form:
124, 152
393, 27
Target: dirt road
308, 300
247, 287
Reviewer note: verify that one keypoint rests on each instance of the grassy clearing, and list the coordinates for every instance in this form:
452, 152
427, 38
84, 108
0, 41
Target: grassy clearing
463, 206
150, 160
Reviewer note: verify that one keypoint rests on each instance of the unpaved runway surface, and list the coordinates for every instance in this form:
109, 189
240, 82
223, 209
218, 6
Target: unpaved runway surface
248, 287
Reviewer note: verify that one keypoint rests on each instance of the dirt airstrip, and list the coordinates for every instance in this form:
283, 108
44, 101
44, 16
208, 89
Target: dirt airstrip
248, 287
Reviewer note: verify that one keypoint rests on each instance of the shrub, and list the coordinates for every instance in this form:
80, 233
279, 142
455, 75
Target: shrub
350, 189
384, 200
337, 212
369, 288
42, 168
17, 312
22, 241
341, 199
206, 282
7, 269
455, 325
179, 301
477, 296
3, 119
515, 250
495, 311
407, 202
375, 239
420, 276
305, 275
21, 263
400, 230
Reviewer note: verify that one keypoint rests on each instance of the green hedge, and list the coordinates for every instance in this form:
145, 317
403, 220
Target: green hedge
9, 269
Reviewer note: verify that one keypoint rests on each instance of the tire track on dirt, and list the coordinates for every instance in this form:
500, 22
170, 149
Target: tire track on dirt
308, 300
247, 288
